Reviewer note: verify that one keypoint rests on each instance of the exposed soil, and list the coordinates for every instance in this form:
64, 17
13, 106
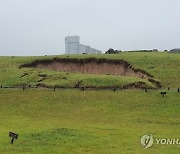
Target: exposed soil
141, 85
25, 74
93, 66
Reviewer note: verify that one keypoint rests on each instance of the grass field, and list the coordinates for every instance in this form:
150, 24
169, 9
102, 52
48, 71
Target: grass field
100, 121
73, 121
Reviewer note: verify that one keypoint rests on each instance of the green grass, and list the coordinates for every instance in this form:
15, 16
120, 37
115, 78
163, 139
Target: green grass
73, 121
101, 121
12, 75
163, 66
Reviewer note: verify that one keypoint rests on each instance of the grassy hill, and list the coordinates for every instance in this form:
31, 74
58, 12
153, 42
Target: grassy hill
165, 67
100, 121
13, 75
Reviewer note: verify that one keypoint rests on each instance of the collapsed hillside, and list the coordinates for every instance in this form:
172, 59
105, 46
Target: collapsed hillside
94, 66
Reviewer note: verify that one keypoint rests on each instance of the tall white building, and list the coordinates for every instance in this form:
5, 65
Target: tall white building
72, 46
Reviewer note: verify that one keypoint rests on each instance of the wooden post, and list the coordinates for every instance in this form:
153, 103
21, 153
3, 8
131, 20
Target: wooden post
114, 89
13, 136
12, 140
163, 93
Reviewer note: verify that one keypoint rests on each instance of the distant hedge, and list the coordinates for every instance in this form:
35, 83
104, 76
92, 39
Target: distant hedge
154, 50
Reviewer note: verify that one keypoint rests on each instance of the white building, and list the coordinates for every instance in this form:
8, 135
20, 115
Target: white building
72, 46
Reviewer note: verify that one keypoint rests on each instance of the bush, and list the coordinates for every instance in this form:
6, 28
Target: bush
112, 51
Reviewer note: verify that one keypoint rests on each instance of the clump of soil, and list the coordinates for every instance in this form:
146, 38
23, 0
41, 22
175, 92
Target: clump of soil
23, 75
141, 85
42, 77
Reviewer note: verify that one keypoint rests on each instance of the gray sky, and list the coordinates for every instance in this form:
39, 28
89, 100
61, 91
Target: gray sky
38, 27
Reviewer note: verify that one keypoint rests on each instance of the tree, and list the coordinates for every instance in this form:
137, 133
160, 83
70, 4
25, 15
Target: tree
112, 51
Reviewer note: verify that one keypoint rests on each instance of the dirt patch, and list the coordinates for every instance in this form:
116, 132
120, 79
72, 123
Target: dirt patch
78, 84
93, 66
158, 83
90, 66
42, 77
23, 75
140, 85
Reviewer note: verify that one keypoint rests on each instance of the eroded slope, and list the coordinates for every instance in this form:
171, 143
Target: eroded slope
94, 66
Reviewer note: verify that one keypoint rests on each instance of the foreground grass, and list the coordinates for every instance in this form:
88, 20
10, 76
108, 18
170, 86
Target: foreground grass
73, 121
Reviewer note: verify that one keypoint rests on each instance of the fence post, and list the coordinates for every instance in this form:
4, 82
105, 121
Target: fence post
114, 89
163, 93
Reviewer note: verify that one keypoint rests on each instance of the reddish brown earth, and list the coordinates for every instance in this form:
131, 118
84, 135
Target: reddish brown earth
93, 68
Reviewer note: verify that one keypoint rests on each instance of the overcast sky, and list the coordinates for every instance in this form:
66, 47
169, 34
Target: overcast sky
38, 27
